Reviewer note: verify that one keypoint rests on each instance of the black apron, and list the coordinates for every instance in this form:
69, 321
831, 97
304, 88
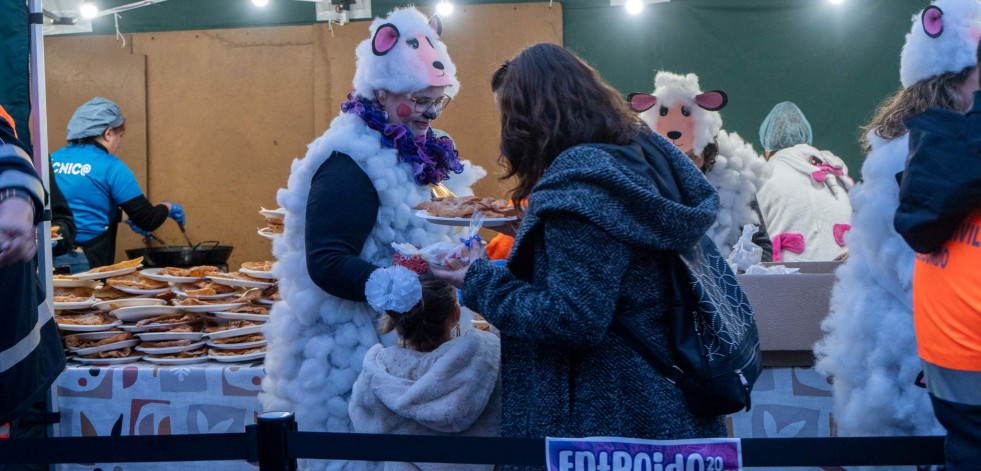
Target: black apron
101, 250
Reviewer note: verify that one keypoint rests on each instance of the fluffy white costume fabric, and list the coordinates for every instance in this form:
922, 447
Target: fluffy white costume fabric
737, 176
316, 342
738, 170
453, 390
954, 50
792, 201
870, 348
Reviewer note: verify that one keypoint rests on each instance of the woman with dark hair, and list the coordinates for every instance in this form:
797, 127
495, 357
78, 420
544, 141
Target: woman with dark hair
592, 245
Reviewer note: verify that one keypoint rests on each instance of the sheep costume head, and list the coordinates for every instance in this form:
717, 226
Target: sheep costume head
403, 55
679, 111
944, 38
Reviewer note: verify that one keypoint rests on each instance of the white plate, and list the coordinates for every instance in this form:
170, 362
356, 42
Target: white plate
266, 301
138, 313
237, 358
144, 292
129, 302
181, 294
108, 274
268, 233
252, 329
74, 283
245, 316
105, 348
278, 213
75, 305
209, 307
237, 346
106, 361
87, 328
488, 222
56, 239
169, 350
175, 361
265, 275
162, 336
151, 273
237, 282
134, 329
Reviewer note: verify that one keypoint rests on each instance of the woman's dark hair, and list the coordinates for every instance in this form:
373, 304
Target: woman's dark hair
709, 156
550, 100
426, 326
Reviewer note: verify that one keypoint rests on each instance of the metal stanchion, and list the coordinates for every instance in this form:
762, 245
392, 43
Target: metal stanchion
272, 430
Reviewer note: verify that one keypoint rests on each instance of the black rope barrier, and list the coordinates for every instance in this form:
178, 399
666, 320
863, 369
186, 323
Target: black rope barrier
276, 445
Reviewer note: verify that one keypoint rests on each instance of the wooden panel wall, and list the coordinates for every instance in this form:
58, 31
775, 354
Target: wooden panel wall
82, 67
228, 110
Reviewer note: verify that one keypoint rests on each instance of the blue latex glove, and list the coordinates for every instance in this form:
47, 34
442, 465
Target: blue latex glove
137, 229
176, 212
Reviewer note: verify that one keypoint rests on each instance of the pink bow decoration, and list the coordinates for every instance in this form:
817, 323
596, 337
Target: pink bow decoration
821, 175
840, 230
791, 241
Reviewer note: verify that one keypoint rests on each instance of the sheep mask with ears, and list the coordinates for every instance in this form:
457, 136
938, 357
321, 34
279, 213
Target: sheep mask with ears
944, 38
404, 55
679, 111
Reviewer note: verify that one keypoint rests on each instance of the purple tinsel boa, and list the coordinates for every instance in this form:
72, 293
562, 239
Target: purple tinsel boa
432, 158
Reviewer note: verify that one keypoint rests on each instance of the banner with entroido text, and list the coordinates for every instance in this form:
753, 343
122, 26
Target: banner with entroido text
627, 454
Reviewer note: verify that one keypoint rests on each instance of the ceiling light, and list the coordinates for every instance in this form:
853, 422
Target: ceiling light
88, 10
444, 9
260, 3
634, 7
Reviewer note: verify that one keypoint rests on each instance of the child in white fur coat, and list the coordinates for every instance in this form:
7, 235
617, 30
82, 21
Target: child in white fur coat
431, 383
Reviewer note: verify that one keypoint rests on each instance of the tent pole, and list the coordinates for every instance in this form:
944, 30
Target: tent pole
39, 121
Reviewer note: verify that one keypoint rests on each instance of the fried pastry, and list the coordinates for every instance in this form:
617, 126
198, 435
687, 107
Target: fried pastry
232, 353
259, 266
166, 344
169, 319
239, 339
119, 266
135, 281
120, 353
200, 352
92, 318
81, 343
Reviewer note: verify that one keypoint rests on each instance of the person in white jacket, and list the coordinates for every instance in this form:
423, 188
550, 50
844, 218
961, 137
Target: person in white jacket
804, 200
436, 381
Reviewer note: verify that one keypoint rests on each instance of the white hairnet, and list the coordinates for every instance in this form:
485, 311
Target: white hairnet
784, 127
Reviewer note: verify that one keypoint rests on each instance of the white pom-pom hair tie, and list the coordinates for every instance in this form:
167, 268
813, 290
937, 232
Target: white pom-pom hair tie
395, 288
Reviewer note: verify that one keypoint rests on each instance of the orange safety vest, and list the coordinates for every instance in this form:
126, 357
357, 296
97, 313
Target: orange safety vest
6, 116
947, 300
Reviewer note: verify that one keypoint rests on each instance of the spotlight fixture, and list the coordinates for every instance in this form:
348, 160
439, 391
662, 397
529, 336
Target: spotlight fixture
260, 3
444, 8
634, 7
88, 10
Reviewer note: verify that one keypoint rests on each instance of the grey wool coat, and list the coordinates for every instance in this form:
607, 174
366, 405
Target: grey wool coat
592, 245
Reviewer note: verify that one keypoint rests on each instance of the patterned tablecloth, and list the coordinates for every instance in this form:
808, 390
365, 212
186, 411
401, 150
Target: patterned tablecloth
146, 399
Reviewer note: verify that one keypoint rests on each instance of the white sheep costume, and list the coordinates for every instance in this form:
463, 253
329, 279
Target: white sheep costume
738, 171
870, 348
317, 342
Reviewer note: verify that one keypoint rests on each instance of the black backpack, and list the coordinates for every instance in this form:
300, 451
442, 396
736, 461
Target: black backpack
717, 355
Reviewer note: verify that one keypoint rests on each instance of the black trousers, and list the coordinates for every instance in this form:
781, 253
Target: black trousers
963, 424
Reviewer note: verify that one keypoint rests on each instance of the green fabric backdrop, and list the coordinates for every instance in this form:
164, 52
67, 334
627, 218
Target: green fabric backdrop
837, 62
15, 85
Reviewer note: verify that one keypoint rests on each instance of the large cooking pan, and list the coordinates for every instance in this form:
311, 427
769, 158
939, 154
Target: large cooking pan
205, 253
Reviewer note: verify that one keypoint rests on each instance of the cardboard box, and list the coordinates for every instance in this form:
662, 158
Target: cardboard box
789, 308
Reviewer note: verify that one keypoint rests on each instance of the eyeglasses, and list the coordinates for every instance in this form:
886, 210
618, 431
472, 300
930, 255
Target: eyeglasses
423, 105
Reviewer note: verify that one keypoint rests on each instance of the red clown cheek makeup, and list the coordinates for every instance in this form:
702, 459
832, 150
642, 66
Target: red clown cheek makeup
403, 111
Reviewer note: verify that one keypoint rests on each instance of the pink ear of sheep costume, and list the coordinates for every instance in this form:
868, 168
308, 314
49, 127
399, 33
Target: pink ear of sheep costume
317, 341
870, 348
689, 118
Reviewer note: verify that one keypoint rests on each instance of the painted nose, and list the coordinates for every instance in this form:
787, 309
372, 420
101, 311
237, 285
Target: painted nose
674, 135
430, 114
438, 65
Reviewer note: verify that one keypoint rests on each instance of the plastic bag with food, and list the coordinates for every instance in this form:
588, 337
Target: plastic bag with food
450, 255
745, 253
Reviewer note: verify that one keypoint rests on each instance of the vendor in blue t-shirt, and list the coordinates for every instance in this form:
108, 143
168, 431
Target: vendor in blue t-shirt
97, 184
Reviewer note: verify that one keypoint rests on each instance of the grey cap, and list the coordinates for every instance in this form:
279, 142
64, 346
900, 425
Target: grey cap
93, 118
784, 127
